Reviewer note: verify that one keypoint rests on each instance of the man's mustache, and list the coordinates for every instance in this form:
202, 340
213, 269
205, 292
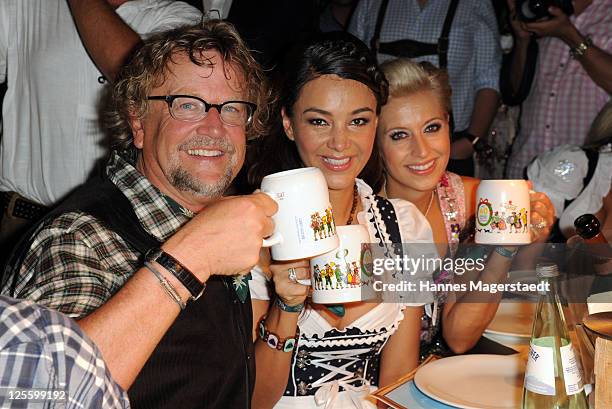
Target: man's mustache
208, 142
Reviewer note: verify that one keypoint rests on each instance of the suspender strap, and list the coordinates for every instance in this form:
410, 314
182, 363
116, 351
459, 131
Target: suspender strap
408, 48
443, 40
411, 48
509, 95
375, 41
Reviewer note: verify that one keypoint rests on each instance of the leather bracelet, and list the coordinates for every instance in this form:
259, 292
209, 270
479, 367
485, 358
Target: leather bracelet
274, 341
289, 308
168, 288
502, 251
182, 273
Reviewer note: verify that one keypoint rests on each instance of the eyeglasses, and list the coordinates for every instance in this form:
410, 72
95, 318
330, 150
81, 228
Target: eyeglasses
192, 109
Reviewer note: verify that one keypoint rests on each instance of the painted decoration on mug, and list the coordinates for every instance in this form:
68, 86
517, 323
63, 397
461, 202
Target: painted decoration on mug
366, 262
507, 219
339, 274
323, 224
484, 212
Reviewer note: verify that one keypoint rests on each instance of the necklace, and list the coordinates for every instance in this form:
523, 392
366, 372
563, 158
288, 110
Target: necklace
433, 192
354, 207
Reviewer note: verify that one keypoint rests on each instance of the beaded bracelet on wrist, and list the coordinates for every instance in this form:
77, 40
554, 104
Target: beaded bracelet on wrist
274, 341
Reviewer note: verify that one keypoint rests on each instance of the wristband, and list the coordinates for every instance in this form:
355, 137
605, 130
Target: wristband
168, 288
502, 251
182, 273
289, 308
274, 341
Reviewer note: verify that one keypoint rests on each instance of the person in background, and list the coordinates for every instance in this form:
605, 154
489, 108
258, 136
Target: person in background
147, 258
413, 135
572, 79
42, 349
459, 36
578, 179
336, 15
56, 57
216, 8
330, 96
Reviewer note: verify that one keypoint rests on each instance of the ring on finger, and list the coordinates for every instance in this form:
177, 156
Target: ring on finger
542, 224
292, 275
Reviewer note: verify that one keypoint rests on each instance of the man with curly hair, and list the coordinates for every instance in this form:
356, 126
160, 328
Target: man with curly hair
147, 258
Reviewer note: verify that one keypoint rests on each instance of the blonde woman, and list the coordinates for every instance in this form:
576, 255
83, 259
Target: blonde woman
413, 136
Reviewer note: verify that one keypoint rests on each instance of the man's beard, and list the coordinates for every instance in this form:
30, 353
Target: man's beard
184, 181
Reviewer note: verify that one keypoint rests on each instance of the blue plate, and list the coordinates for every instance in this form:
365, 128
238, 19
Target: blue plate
408, 395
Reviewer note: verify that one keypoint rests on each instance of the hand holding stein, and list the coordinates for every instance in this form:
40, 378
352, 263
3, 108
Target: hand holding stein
291, 281
509, 213
503, 212
542, 216
304, 223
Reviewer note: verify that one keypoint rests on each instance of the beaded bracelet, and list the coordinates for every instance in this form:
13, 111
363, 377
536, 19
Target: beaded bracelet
274, 341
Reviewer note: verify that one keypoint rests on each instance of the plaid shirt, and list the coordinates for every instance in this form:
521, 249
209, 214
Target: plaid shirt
44, 350
474, 55
76, 264
563, 100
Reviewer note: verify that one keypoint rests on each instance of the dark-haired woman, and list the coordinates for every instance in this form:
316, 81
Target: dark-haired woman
331, 95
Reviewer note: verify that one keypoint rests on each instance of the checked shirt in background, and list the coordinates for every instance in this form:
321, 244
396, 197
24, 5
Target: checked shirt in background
474, 55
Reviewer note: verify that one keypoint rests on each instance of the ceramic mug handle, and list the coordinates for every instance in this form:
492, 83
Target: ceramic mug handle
275, 238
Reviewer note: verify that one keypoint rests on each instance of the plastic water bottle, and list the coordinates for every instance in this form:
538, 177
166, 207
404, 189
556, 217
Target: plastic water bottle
553, 378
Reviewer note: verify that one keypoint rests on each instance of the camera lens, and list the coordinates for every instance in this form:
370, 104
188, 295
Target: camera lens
532, 10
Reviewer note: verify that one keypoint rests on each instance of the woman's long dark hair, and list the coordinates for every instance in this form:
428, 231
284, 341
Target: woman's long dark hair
334, 53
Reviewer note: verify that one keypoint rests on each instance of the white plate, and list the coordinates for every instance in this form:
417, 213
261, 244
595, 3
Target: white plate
474, 381
513, 319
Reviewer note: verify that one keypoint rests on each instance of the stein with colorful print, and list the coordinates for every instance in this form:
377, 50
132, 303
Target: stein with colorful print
502, 212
